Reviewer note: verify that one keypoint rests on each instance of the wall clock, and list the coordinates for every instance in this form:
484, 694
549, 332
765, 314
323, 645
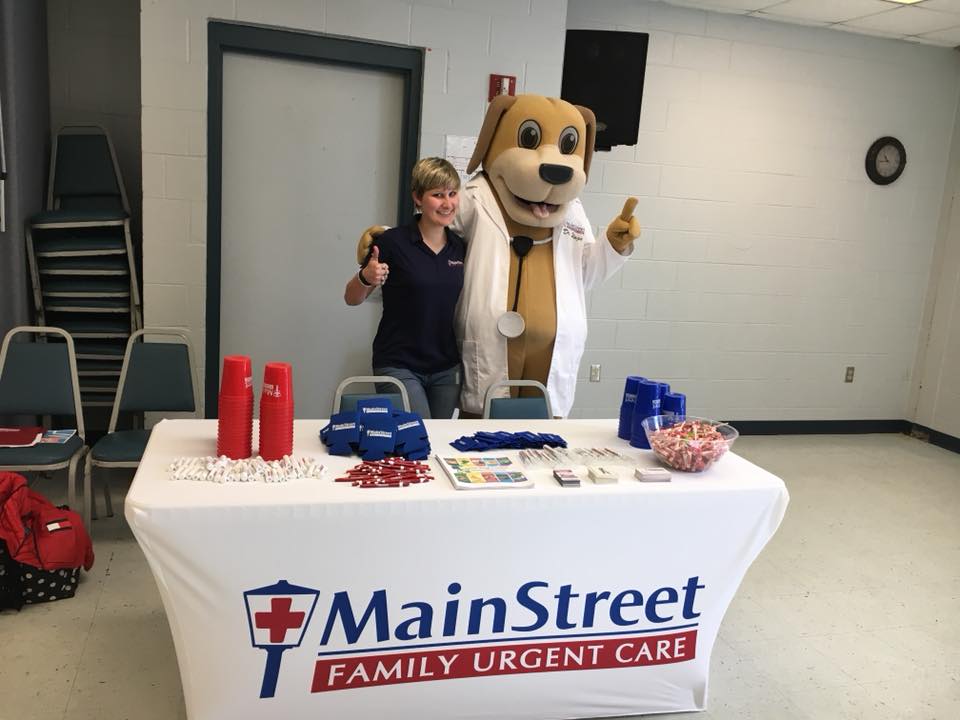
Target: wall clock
886, 160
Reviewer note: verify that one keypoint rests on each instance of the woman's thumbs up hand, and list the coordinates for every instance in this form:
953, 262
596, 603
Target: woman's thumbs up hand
375, 272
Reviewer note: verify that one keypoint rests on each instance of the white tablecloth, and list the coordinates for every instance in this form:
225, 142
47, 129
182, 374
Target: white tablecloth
428, 602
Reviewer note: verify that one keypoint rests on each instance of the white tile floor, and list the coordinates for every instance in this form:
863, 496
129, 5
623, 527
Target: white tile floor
852, 611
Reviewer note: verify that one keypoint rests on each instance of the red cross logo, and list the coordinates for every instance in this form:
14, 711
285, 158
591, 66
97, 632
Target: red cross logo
279, 619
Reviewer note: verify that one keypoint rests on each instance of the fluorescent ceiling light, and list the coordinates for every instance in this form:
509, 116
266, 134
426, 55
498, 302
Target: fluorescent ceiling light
904, 2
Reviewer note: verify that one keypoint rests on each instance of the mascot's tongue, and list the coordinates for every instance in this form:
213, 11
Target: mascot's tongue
542, 210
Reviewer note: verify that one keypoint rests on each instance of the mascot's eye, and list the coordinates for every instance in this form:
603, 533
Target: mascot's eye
568, 140
529, 134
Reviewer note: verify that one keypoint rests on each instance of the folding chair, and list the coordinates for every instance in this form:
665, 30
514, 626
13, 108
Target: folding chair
526, 408
156, 377
40, 378
347, 402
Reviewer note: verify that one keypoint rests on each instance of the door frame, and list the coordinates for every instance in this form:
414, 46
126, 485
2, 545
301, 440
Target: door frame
223, 37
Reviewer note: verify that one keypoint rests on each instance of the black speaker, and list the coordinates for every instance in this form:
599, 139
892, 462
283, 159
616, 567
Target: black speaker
603, 70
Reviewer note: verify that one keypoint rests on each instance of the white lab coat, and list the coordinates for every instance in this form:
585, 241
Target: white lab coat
580, 263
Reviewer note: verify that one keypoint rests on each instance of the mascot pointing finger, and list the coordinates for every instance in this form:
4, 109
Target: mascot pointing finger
531, 252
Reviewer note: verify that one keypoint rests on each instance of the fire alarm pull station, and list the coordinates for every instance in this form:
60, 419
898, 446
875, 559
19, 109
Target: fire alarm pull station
502, 85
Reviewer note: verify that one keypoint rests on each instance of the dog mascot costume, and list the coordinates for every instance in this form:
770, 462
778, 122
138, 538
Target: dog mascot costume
524, 225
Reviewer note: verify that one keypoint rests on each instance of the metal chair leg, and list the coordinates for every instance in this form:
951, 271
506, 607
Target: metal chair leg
106, 498
88, 506
72, 482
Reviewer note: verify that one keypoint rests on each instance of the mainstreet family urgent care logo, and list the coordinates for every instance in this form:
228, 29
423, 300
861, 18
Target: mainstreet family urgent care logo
539, 628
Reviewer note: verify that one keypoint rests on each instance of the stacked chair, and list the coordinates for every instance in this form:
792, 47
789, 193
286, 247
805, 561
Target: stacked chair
81, 259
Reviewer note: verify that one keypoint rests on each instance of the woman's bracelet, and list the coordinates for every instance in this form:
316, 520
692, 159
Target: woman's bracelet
362, 279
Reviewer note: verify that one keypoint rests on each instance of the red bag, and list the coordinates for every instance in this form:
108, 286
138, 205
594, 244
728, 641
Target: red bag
37, 533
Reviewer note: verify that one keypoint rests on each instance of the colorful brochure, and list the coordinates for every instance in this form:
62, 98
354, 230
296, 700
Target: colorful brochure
482, 473
57, 437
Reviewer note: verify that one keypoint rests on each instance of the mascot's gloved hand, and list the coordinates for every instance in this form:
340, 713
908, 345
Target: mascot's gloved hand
623, 230
366, 240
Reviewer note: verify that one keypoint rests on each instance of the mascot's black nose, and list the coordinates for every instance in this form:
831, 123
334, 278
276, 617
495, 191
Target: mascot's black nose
556, 174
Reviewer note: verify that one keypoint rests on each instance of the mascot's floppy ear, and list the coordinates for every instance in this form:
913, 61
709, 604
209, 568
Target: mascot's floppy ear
499, 105
591, 120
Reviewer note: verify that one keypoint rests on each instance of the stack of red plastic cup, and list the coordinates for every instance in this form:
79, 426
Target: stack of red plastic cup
276, 411
235, 411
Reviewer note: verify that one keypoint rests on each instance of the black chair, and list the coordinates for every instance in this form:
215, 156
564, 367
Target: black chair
156, 377
347, 402
517, 408
40, 378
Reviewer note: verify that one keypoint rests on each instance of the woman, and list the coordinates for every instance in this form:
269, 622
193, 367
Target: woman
423, 262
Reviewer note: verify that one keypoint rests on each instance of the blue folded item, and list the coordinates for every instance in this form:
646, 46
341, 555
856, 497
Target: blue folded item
342, 434
553, 440
375, 431
411, 435
378, 436
410, 428
421, 454
505, 440
373, 407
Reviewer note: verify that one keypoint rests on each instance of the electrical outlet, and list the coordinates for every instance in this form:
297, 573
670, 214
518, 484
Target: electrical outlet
849, 376
595, 372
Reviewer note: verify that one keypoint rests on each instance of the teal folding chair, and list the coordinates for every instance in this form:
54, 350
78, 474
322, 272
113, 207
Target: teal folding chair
40, 378
516, 408
155, 377
347, 402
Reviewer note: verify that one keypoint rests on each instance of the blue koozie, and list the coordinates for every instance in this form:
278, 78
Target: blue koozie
342, 435
674, 403
626, 406
647, 404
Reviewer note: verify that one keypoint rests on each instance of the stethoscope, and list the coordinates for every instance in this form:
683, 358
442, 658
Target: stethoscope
511, 324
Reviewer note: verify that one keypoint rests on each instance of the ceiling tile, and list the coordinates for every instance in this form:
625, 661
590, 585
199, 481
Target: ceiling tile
929, 21
741, 6
792, 20
949, 37
827, 11
906, 21
942, 5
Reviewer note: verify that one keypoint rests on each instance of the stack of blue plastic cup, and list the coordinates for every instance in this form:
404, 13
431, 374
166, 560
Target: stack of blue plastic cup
662, 389
626, 406
646, 404
673, 404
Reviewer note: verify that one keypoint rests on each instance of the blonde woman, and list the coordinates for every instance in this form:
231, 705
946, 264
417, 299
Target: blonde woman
419, 269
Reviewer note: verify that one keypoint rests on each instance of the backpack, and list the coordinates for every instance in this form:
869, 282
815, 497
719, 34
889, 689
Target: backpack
42, 546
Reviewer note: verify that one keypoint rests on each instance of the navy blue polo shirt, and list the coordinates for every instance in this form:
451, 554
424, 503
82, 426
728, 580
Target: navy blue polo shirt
419, 299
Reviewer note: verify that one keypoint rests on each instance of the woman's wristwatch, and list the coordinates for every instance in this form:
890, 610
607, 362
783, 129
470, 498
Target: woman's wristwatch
362, 279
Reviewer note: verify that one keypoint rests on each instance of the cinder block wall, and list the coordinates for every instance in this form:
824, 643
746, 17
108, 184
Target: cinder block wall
768, 262
467, 41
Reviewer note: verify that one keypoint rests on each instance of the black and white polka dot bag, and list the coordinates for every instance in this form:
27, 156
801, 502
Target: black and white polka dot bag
23, 584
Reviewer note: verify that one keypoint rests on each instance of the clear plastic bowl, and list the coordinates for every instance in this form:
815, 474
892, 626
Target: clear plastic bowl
687, 443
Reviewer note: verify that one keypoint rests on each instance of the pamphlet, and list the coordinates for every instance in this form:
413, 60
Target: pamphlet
57, 437
11, 437
483, 473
